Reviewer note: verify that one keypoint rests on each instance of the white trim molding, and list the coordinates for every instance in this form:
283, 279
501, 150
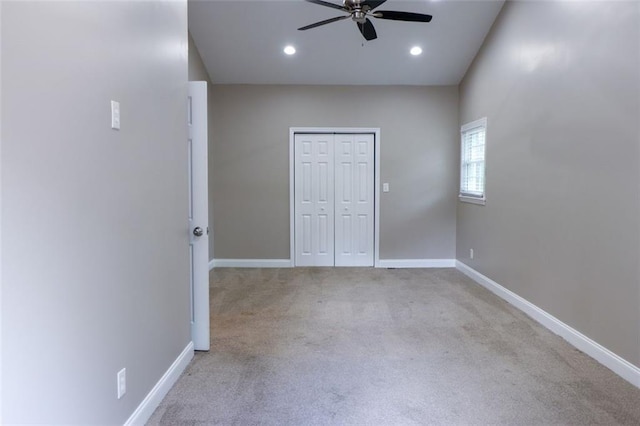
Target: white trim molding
618, 365
288, 263
416, 263
250, 263
160, 390
472, 200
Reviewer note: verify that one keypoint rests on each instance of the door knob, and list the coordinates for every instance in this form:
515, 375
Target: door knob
198, 232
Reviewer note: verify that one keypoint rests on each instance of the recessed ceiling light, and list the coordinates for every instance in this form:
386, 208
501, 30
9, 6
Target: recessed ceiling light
289, 50
415, 51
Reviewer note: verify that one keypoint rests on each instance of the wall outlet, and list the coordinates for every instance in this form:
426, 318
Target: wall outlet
122, 382
470, 253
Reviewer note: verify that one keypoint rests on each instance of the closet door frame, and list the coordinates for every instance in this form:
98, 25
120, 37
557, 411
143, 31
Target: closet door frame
376, 178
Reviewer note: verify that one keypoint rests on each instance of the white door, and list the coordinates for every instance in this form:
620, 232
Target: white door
334, 199
314, 200
354, 204
198, 214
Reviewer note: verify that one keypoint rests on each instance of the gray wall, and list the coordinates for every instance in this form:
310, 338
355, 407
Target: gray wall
197, 70
249, 158
95, 253
560, 85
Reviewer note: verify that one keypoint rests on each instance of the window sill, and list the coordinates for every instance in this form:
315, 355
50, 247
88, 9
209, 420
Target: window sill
472, 200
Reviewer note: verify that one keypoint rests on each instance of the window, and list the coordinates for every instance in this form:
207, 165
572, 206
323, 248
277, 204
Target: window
472, 164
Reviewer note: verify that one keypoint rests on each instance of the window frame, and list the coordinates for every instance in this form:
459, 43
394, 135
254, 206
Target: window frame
465, 196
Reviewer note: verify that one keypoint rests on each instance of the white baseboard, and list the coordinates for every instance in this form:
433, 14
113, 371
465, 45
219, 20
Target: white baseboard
159, 391
287, 263
620, 366
416, 263
250, 263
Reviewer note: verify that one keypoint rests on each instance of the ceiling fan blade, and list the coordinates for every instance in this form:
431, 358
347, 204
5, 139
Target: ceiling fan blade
402, 16
325, 22
372, 3
326, 3
367, 30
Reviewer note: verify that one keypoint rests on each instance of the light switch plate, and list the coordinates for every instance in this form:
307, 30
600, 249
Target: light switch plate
122, 382
115, 115
385, 187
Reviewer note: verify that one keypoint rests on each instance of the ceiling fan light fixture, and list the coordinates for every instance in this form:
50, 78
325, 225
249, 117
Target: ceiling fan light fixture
289, 50
416, 51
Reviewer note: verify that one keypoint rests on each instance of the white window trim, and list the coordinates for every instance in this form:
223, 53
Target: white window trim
472, 200
466, 198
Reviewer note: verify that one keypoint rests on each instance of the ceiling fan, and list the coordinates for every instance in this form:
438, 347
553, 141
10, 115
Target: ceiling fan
360, 10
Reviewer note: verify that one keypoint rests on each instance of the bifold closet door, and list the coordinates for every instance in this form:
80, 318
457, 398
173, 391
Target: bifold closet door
314, 205
334, 199
354, 194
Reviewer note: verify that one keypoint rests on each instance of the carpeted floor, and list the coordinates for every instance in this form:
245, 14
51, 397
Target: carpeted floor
363, 346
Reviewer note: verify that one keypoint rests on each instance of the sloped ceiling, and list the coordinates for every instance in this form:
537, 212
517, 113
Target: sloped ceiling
242, 41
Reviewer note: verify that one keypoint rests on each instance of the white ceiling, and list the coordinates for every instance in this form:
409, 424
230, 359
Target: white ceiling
241, 42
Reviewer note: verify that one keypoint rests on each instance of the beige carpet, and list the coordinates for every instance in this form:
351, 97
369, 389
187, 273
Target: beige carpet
384, 347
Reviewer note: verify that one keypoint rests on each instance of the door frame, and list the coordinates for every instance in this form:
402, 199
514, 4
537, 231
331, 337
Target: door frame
376, 179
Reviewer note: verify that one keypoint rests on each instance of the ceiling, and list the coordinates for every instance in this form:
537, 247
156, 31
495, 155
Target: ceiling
242, 42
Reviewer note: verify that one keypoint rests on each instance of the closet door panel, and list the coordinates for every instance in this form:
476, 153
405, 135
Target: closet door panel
354, 200
314, 200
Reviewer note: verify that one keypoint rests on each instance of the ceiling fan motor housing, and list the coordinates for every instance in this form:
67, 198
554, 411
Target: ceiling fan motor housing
350, 4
